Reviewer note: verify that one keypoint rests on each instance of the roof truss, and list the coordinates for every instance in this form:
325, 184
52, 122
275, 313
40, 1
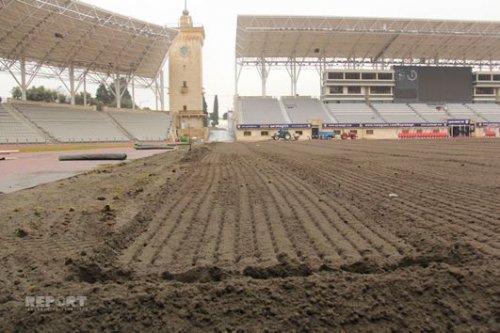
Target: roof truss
65, 33
368, 40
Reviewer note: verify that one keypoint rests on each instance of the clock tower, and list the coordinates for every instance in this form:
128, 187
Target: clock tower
186, 78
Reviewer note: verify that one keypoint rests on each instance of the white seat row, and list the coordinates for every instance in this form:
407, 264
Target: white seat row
145, 126
398, 113
71, 125
353, 113
13, 131
302, 110
261, 110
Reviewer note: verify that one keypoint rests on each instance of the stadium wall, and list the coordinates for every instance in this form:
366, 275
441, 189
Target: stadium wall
265, 134
488, 131
257, 135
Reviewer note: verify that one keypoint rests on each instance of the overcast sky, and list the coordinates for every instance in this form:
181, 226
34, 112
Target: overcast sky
219, 19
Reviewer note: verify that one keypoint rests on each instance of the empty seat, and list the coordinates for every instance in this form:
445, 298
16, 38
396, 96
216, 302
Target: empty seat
461, 111
68, 124
430, 113
489, 111
354, 113
302, 110
261, 110
397, 113
144, 126
14, 131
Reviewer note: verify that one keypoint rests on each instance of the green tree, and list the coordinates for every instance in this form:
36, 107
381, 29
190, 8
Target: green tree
79, 99
126, 98
16, 93
62, 99
103, 96
224, 116
215, 113
205, 112
37, 94
40, 94
106, 95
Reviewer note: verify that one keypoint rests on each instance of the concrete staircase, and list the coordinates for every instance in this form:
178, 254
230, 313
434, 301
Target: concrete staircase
417, 113
476, 113
13, 111
329, 113
377, 113
283, 112
122, 129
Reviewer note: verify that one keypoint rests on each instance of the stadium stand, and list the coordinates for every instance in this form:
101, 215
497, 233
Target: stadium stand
353, 113
430, 113
461, 111
13, 130
258, 110
304, 109
144, 126
68, 124
489, 111
397, 113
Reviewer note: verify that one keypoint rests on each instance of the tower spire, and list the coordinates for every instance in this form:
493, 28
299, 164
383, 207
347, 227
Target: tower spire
186, 11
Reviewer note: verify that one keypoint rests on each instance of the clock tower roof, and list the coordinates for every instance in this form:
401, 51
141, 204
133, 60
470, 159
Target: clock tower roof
186, 21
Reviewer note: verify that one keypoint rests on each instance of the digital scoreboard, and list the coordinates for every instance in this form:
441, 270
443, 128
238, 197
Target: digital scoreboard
418, 84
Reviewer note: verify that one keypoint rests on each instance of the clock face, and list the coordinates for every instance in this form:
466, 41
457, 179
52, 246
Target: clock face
184, 51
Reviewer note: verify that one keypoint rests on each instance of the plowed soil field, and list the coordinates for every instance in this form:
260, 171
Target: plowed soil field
382, 236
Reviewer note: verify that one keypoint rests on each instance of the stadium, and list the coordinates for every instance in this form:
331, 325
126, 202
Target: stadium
373, 206
380, 78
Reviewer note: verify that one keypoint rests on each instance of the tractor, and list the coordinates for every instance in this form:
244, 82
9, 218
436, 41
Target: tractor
346, 136
283, 134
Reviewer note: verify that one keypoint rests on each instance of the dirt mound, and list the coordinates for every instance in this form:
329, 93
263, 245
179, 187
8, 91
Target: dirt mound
277, 271
195, 154
197, 275
93, 273
456, 254
284, 269
363, 267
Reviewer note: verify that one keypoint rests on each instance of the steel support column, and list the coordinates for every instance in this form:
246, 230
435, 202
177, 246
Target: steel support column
294, 70
263, 70
156, 93
118, 91
23, 80
133, 93
264, 76
162, 91
72, 83
236, 76
321, 69
85, 89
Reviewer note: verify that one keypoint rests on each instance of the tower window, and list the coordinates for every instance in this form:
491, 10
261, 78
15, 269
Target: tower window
184, 108
184, 84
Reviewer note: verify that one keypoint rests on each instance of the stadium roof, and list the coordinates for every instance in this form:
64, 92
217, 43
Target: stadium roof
63, 32
372, 39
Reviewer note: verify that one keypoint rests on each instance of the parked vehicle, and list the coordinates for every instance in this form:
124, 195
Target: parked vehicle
283, 134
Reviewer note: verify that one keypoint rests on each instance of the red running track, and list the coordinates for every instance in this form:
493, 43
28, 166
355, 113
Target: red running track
25, 170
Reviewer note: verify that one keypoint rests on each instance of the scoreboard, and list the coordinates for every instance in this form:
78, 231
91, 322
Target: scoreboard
419, 84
